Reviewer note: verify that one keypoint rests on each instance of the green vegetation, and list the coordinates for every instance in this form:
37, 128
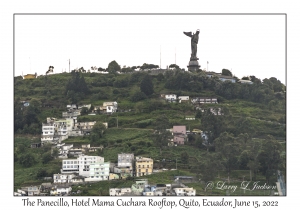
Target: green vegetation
246, 142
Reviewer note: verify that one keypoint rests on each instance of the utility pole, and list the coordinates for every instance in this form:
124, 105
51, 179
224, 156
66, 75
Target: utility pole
117, 122
69, 65
175, 55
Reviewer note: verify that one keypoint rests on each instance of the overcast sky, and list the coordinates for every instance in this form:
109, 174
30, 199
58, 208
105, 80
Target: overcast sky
245, 44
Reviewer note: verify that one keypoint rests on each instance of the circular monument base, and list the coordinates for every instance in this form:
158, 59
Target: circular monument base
193, 65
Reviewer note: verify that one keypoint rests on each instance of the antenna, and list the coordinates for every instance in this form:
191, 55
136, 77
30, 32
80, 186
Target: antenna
160, 58
175, 55
69, 65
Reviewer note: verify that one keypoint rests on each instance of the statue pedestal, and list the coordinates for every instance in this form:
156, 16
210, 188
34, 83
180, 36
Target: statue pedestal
193, 65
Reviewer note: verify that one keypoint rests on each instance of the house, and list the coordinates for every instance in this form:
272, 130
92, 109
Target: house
125, 160
110, 107
221, 77
71, 113
30, 76
224, 78
33, 190
171, 97
178, 140
47, 132
61, 190
204, 100
245, 82
84, 127
185, 191
88, 106
183, 99
63, 178
119, 191
143, 166
20, 192
179, 134
26, 104
138, 187
75, 152
72, 107
35, 145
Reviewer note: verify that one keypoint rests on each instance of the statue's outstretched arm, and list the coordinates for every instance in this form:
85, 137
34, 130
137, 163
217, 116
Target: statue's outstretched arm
188, 34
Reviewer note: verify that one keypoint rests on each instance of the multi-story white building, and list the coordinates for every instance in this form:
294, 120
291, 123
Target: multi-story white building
98, 172
48, 130
92, 167
125, 160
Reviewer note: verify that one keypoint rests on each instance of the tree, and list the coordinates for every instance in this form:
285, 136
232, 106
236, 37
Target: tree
84, 111
161, 138
113, 67
27, 160
184, 156
209, 167
97, 132
46, 157
146, 85
226, 72
229, 148
138, 96
174, 66
41, 173
55, 153
269, 157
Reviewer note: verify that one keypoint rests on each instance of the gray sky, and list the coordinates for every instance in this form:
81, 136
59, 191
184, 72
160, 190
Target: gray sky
245, 44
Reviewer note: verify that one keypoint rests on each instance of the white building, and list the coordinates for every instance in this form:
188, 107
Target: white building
185, 191
98, 172
87, 166
183, 98
59, 190
48, 130
110, 107
125, 160
119, 191
245, 82
63, 178
171, 97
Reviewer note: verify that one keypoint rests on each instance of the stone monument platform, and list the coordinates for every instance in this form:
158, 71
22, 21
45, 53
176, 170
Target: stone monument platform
193, 65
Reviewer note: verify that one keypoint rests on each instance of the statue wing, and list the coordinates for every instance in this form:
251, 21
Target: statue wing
188, 34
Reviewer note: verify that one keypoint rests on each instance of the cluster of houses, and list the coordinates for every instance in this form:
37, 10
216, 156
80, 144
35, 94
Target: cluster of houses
195, 100
224, 78
86, 168
68, 150
142, 188
180, 133
57, 130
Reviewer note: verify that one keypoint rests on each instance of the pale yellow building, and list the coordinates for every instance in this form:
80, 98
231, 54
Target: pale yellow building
30, 76
143, 166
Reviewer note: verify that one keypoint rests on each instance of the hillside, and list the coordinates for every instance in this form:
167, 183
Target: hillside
251, 114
